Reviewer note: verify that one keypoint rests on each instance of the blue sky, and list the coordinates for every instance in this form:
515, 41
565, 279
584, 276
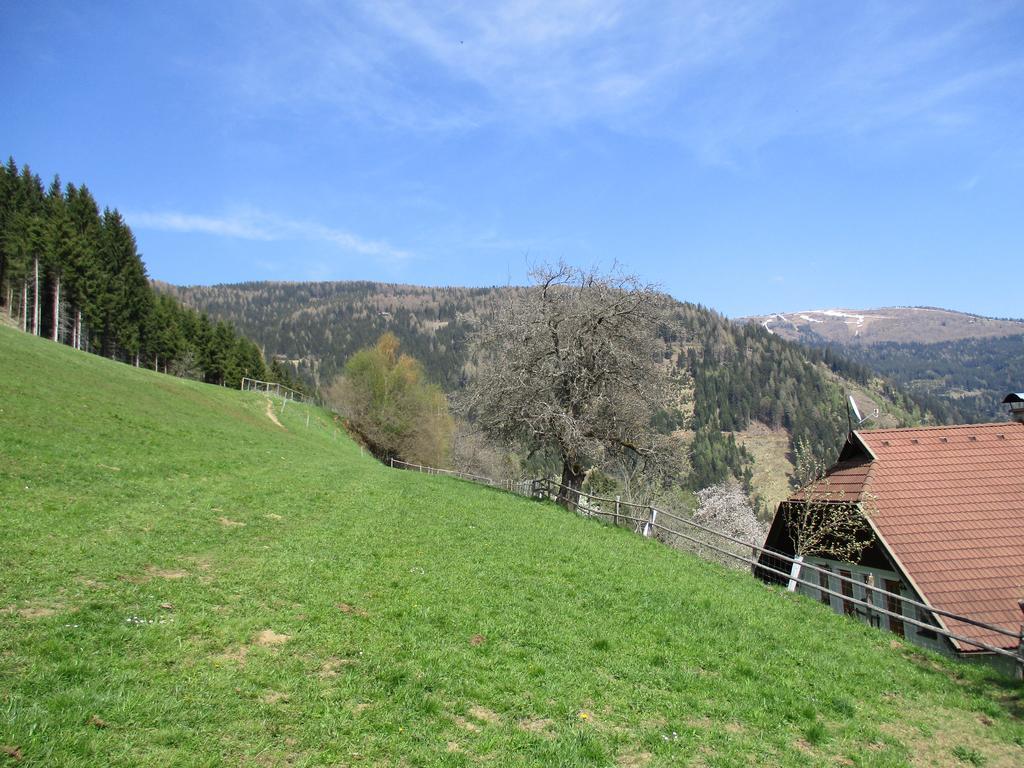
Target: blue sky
753, 157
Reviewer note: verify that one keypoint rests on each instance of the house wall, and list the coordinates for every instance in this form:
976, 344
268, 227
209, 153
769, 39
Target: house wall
917, 635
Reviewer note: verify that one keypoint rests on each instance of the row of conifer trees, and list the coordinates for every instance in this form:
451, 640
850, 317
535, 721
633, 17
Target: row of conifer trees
73, 274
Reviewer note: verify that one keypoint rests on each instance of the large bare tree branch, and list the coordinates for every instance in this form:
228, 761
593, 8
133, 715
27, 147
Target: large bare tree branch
572, 364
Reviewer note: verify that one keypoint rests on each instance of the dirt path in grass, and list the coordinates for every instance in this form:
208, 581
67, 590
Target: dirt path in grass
271, 415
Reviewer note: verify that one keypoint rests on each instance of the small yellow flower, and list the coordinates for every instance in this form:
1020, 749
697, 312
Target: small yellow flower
584, 715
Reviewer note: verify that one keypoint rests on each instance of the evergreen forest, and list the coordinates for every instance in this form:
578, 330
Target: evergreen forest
71, 272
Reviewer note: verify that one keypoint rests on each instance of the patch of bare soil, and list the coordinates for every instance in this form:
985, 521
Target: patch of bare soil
227, 523
271, 415
586, 716
165, 573
466, 724
950, 731
539, 725
274, 697
485, 715
330, 667
346, 608
277, 759
14, 753
202, 562
633, 759
476, 640
97, 722
31, 611
273, 516
804, 746
90, 583
237, 655
270, 637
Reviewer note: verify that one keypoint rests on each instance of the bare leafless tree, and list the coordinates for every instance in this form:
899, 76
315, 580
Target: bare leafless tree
571, 365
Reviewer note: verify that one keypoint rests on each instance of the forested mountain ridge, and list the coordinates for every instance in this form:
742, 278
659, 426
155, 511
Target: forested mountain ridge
958, 365
317, 326
728, 377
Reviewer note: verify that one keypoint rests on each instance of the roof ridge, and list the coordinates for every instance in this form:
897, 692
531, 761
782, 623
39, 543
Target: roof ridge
868, 477
983, 425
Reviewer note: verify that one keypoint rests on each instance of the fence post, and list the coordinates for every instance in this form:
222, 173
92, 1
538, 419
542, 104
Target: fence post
618, 502
794, 573
392, 462
869, 598
1020, 646
647, 526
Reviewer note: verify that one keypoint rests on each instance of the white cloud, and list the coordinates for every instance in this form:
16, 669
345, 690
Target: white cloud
172, 221
562, 62
723, 78
255, 225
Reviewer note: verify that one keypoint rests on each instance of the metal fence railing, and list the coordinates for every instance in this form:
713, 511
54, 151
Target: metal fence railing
683, 532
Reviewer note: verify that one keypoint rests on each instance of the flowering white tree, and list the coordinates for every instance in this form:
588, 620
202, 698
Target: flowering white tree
726, 509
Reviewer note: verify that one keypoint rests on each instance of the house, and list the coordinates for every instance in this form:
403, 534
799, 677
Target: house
945, 506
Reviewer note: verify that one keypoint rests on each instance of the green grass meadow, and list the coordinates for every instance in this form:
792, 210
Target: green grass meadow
185, 583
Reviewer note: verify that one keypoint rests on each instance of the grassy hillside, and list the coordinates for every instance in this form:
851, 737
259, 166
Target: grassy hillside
186, 583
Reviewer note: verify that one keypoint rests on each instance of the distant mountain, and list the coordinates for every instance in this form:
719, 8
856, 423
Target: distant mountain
922, 325
959, 366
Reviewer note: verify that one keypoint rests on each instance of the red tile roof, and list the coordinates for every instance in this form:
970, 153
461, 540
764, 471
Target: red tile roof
948, 503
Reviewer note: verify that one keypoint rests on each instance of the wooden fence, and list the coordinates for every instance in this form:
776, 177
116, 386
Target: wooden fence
274, 389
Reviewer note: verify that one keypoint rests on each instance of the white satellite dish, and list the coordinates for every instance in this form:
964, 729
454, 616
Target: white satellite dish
856, 412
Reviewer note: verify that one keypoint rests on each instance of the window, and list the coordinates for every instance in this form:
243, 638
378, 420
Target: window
823, 581
894, 604
921, 631
847, 590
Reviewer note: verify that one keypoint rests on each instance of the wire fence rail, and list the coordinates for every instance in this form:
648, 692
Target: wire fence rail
685, 533
520, 487
274, 389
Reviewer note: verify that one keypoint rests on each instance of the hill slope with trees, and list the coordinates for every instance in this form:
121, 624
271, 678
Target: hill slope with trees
957, 365
727, 376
